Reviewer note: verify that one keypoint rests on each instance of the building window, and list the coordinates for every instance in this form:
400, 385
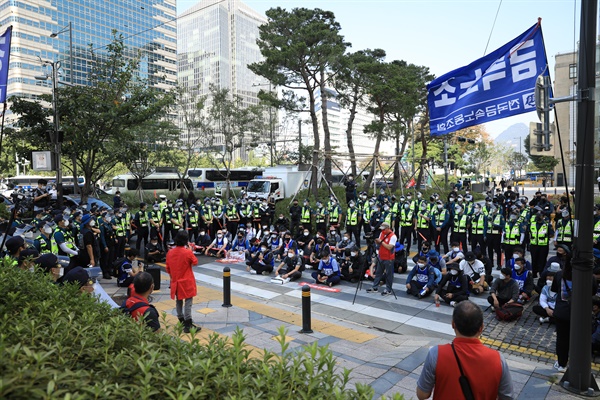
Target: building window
572, 71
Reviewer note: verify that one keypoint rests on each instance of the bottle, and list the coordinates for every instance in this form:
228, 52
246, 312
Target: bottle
423, 292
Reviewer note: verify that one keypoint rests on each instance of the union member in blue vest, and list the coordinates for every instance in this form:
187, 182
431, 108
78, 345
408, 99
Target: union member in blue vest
524, 279
328, 271
454, 286
421, 279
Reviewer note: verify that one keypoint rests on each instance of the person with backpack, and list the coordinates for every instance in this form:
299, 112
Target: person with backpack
180, 261
137, 305
504, 289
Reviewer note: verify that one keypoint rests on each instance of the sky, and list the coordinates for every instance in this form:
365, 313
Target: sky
444, 34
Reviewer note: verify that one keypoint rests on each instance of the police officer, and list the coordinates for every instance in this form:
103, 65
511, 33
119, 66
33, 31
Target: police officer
350, 188
407, 225
121, 234
245, 212
495, 229
335, 214
207, 217
44, 242
232, 217
513, 236
306, 215
459, 227
564, 228
295, 216
423, 225
321, 217
440, 219
540, 232
597, 226
353, 221
193, 222
478, 225
141, 225
176, 218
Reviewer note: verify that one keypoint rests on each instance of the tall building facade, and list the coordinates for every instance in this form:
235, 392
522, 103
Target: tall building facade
216, 42
565, 84
65, 30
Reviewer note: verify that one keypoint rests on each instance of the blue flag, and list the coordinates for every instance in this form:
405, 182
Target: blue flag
4, 62
496, 86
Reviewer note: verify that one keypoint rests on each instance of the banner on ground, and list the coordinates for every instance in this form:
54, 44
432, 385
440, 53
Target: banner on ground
4, 62
498, 85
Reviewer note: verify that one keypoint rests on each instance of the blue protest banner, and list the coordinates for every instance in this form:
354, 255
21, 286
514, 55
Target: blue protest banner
4, 62
498, 85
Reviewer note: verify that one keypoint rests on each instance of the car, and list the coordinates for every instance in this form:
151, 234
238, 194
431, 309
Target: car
74, 201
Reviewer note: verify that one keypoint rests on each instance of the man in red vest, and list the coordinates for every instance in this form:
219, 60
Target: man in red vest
385, 263
485, 369
137, 304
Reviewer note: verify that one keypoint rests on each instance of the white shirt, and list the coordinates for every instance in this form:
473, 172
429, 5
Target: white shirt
469, 270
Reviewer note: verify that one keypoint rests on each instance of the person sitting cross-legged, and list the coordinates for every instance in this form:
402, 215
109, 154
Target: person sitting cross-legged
504, 289
293, 267
547, 298
424, 279
328, 272
454, 286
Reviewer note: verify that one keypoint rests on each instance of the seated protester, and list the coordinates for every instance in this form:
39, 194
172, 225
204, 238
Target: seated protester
424, 279
524, 278
261, 262
320, 246
328, 271
504, 289
254, 249
79, 276
288, 244
434, 260
27, 259
240, 244
547, 297
265, 236
293, 268
14, 246
275, 244
154, 251
518, 253
488, 265
126, 270
595, 323
137, 305
333, 237
454, 286
282, 223
203, 240
562, 253
250, 231
305, 241
218, 247
425, 249
455, 255
475, 272
352, 264
342, 245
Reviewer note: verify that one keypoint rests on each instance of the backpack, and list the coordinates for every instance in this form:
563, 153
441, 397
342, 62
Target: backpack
117, 264
509, 312
129, 310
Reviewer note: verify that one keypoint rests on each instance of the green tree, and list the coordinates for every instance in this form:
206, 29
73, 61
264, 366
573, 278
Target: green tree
349, 85
299, 49
541, 163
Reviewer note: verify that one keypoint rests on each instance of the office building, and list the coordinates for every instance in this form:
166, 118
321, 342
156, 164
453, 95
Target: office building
216, 42
64, 30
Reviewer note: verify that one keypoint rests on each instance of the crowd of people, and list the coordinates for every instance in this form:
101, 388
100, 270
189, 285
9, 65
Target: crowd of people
458, 243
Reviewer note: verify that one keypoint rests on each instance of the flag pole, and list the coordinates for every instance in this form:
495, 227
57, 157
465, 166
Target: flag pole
2, 128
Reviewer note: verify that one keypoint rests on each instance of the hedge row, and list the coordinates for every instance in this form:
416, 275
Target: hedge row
56, 343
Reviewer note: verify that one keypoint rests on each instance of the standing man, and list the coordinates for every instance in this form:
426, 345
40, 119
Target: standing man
305, 216
295, 215
141, 225
485, 369
441, 223
353, 221
41, 197
540, 232
351, 188
387, 242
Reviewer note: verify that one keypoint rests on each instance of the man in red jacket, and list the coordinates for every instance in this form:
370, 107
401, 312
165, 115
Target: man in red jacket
485, 369
180, 261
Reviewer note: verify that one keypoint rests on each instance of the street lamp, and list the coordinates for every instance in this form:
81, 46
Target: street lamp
55, 34
55, 137
270, 120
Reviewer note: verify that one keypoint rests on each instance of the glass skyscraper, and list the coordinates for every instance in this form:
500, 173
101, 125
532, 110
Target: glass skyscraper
41, 32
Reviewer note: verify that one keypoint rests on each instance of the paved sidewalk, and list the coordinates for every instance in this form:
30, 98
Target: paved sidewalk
390, 361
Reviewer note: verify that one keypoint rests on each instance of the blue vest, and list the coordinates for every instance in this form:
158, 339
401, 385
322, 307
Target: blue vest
520, 279
422, 275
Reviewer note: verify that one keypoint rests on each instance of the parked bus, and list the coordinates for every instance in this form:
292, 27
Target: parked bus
157, 181
210, 178
30, 181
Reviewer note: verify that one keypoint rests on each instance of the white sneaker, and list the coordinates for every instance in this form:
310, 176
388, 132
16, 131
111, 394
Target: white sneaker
252, 272
559, 368
286, 280
542, 319
452, 303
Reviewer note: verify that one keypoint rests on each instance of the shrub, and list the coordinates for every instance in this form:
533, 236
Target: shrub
58, 343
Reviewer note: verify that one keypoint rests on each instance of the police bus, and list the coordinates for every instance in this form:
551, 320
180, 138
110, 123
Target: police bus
162, 179
211, 178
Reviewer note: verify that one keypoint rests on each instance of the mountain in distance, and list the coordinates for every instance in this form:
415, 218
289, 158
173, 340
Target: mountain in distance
513, 135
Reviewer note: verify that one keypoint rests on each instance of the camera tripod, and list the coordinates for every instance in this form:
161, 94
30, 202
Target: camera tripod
369, 254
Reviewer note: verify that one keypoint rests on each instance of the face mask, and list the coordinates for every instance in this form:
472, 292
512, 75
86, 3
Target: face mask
423, 208
502, 276
419, 195
353, 254
92, 223
273, 237
280, 218
408, 198
518, 267
513, 217
477, 211
154, 243
350, 178
515, 256
220, 235
48, 230
201, 233
263, 249
548, 282
455, 249
406, 206
386, 208
439, 206
291, 255
421, 265
453, 272
305, 233
565, 214
346, 238
66, 223
451, 199
31, 269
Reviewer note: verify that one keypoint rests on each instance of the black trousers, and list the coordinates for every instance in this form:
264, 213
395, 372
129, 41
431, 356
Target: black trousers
477, 240
440, 239
406, 235
461, 238
537, 309
354, 230
509, 249
455, 297
142, 236
539, 254
120, 247
494, 245
563, 336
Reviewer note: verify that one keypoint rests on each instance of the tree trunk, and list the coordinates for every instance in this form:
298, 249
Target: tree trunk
314, 179
349, 132
396, 161
423, 157
375, 153
326, 133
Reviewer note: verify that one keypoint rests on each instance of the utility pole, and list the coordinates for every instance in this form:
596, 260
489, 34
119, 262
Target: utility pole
578, 377
445, 162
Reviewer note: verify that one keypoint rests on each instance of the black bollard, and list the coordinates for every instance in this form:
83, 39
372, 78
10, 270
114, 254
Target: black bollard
226, 287
306, 310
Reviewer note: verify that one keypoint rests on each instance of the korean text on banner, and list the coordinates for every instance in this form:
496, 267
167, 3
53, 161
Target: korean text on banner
4, 62
496, 86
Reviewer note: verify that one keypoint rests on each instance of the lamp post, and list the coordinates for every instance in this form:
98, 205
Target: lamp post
55, 34
55, 137
270, 121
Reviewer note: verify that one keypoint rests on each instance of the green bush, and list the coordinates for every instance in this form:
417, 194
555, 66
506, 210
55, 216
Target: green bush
57, 343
